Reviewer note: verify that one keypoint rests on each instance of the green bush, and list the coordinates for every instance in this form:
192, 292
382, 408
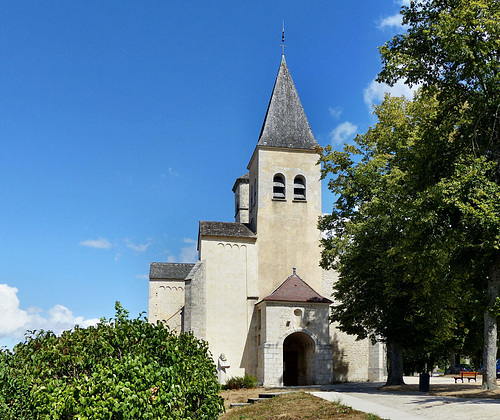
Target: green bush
120, 369
239, 382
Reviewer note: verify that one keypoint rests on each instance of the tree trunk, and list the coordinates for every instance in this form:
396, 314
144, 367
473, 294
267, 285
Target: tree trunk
452, 362
490, 328
395, 364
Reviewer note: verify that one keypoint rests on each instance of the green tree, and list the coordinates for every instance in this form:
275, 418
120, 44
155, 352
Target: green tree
452, 48
120, 369
391, 285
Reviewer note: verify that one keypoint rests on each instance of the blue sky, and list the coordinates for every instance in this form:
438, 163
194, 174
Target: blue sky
124, 123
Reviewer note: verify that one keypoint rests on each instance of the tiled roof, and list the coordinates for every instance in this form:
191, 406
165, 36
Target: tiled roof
294, 289
235, 230
286, 123
174, 271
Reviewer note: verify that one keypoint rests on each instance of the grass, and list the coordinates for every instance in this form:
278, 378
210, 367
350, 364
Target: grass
296, 405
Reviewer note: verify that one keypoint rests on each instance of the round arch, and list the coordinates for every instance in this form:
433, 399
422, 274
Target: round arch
298, 359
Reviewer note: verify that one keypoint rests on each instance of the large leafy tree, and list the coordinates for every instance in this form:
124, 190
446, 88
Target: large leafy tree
386, 290
452, 49
120, 369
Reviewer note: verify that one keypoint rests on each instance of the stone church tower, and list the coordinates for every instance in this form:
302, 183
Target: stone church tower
257, 292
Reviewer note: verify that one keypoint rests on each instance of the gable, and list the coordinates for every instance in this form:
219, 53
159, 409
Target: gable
294, 289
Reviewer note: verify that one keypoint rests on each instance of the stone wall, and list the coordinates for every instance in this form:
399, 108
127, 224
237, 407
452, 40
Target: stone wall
231, 287
286, 228
166, 300
195, 317
353, 360
241, 201
280, 320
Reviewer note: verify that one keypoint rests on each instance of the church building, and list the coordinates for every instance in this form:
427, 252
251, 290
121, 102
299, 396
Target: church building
257, 294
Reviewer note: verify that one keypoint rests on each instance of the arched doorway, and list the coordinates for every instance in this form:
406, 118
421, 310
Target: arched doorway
298, 359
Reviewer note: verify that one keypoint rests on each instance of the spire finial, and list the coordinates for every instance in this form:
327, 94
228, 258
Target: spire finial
283, 40
294, 271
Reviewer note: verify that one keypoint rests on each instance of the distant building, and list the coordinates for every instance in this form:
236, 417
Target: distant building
257, 294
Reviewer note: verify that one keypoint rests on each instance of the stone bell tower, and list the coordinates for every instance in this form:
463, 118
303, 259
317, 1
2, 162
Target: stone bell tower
285, 190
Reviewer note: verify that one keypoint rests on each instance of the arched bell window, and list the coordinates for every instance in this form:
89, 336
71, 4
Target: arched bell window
279, 187
299, 188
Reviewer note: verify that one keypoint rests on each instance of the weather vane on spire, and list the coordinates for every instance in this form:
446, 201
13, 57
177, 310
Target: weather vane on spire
283, 39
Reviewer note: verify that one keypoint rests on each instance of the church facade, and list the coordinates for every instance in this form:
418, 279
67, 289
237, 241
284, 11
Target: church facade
257, 294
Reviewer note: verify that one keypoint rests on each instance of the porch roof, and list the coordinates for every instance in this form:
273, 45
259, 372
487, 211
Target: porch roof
294, 289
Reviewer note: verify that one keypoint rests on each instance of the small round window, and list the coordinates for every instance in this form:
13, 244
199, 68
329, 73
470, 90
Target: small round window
297, 312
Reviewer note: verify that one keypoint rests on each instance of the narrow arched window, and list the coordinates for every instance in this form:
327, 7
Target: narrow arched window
279, 186
299, 188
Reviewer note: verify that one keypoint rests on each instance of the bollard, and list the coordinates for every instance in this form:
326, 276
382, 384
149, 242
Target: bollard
423, 383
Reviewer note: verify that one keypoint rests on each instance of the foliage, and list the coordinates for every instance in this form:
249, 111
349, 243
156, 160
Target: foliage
452, 48
416, 228
238, 382
120, 369
385, 233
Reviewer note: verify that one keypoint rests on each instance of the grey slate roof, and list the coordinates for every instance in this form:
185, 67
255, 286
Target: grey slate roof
235, 230
294, 289
244, 179
286, 123
174, 271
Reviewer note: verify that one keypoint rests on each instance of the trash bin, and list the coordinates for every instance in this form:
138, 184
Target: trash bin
423, 383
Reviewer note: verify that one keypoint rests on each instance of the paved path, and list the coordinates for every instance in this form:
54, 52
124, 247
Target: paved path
410, 406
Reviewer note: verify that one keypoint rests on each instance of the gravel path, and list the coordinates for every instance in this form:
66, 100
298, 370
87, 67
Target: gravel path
411, 406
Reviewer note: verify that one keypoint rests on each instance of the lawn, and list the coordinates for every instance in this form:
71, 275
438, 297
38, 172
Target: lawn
295, 405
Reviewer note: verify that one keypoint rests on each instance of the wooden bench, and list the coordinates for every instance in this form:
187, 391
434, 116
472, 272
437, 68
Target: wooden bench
466, 375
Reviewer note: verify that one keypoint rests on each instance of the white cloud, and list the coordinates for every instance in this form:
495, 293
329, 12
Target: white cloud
138, 247
189, 253
12, 317
34, 310
100, 243
335, 112
142, 276
394, 21
343, 132
15, 321
375, 92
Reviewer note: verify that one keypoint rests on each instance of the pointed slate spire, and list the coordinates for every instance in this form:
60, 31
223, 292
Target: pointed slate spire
286, 123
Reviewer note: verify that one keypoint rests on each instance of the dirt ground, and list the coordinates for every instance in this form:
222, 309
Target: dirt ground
242, 395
